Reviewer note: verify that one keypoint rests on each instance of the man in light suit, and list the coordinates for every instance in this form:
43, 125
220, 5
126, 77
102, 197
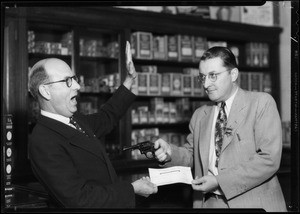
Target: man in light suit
72, 164
241, 172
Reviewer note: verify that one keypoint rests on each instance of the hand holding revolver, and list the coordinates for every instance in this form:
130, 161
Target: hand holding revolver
162, 151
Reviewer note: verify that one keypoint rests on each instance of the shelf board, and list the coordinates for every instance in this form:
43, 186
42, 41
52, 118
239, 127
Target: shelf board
43, 55
172, 97
253, 69
98, 58
161, 125
166, 62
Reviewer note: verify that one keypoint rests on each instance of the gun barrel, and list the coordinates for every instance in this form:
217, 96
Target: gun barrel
130, 147
137, 146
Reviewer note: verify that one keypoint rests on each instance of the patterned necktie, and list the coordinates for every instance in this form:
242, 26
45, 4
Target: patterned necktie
220, 131
74, 123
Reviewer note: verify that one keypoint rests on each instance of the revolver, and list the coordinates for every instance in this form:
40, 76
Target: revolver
145, 148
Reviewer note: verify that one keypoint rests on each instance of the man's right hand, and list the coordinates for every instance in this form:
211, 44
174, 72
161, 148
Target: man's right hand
144, 187
163, 150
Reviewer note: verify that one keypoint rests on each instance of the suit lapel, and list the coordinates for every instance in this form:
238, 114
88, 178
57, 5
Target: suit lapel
73, 136
236, 116
205, 136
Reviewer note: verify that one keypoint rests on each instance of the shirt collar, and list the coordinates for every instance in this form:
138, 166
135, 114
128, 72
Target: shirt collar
58, 117
229, 101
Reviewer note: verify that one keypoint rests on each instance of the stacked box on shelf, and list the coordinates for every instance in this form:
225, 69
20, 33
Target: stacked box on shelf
141, 83
151, 117
176, 84
92, 47
112, 49
187, 80
143, 114
166, 113
235, 50
211, 44
254, 54
157, 106
55, 48
199, 46
149, 69
257, 54
244, 80
160, 47
172, 47
264, 56
256, 81
141, 45
177, 139
114, 82
67, 44
183, 109
154, 83
267, 83
42, 47
166, 83
172, 113
185, 48
31, 41
134, 116
197, 88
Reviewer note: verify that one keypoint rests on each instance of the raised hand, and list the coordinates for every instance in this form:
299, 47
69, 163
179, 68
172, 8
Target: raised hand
131, 73
129, 63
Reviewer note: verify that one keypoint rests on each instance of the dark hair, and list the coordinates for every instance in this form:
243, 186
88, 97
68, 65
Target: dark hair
38, 76
224, 53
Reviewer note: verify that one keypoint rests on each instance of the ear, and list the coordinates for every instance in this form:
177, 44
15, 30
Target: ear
234, 74
44, 91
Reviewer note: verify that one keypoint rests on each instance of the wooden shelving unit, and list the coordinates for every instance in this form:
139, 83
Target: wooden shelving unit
119, 23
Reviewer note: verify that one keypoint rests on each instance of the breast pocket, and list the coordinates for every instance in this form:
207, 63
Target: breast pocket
245, 146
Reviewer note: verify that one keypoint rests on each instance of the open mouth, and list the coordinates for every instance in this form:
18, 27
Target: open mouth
74, 98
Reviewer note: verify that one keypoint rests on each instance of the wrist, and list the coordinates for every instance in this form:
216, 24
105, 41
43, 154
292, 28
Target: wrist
128, 82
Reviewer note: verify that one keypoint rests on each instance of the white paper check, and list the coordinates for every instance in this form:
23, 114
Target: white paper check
171, 175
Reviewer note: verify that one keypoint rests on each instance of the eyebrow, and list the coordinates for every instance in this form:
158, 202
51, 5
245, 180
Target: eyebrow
211, 72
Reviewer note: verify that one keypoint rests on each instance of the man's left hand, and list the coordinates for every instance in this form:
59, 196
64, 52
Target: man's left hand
205, 184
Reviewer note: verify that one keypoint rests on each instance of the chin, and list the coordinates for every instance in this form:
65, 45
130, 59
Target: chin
212, 98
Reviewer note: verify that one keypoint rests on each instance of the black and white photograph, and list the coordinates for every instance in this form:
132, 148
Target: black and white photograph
149, 106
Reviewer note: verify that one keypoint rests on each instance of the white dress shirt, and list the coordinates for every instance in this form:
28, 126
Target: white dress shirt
212, 169
57, 117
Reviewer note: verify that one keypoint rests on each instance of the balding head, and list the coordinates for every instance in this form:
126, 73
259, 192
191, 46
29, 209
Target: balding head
41, 71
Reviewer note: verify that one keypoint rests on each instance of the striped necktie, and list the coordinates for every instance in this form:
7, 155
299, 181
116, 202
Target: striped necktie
74, 123
220, 131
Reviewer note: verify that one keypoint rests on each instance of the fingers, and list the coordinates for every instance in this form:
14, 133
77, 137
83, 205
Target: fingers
162, 150
197, 181
128, 53
129, 63
145, 178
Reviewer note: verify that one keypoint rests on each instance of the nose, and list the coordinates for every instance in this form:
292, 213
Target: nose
206, 82
75, 84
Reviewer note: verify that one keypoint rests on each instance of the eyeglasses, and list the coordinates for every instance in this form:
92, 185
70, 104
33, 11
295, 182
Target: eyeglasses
212, 76
68, 81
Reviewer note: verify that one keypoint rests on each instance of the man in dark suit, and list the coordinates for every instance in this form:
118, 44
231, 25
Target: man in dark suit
235, 147
73, 166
